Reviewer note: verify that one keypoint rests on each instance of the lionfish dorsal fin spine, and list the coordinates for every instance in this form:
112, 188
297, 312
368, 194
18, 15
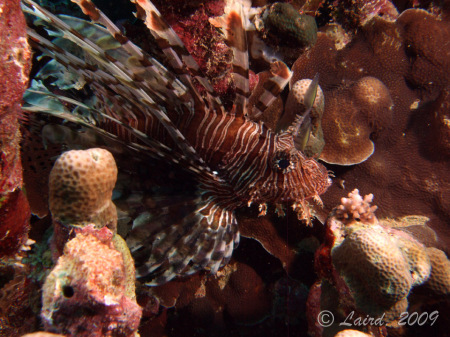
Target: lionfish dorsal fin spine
179, 57
281, 75
170, 86
233, 23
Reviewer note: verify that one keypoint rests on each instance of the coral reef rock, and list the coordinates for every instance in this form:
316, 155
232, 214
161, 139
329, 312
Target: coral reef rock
369, 266
86, 292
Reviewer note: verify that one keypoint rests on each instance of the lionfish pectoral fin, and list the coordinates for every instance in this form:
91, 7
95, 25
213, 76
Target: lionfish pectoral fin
201, 240
144, 97
38, 99
301, 136
311, 92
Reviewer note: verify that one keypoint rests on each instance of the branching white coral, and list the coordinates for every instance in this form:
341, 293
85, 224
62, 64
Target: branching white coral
355, 207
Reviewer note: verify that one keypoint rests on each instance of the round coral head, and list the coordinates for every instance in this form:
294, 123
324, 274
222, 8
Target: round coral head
80, 187
351, 116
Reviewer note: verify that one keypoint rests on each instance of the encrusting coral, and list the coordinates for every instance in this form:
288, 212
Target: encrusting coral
439, 281
410, 153
356, 113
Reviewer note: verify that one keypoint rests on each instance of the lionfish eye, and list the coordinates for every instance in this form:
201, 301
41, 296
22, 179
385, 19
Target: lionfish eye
283, 163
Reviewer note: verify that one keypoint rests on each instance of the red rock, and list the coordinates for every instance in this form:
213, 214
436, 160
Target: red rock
15, 59
85, 294
14, 222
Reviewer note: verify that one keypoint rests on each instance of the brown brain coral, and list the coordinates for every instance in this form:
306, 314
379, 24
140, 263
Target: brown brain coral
417, 257
439, 281
352, 333
80, 188
351, 116
374, 268
426, 38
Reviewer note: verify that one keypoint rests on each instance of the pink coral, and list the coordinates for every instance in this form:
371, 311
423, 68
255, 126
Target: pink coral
357, 208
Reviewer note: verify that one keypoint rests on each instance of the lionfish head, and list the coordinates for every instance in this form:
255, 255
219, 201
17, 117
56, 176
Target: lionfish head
292, 177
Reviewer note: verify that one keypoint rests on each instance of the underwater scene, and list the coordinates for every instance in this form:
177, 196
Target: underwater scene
236, 168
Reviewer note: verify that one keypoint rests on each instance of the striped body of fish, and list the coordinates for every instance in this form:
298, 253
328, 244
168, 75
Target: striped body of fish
160, 112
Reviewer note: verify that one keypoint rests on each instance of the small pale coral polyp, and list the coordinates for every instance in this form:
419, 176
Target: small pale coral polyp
351, 116
80, 188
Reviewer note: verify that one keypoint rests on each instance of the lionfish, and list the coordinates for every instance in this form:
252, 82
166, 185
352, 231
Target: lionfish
158, 110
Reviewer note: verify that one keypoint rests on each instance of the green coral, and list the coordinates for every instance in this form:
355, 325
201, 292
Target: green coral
40, 259
286, 24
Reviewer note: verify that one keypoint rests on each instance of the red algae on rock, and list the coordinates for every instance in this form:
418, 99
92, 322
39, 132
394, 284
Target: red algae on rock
15, 61
85, 294
14, 68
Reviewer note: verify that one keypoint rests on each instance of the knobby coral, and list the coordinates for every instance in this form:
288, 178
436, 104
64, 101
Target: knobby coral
370, 267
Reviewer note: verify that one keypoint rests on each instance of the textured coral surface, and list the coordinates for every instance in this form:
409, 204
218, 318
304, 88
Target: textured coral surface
15, 57
81, 184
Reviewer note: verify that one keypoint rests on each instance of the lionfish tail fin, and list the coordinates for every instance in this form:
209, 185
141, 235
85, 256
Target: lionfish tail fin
201, 236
